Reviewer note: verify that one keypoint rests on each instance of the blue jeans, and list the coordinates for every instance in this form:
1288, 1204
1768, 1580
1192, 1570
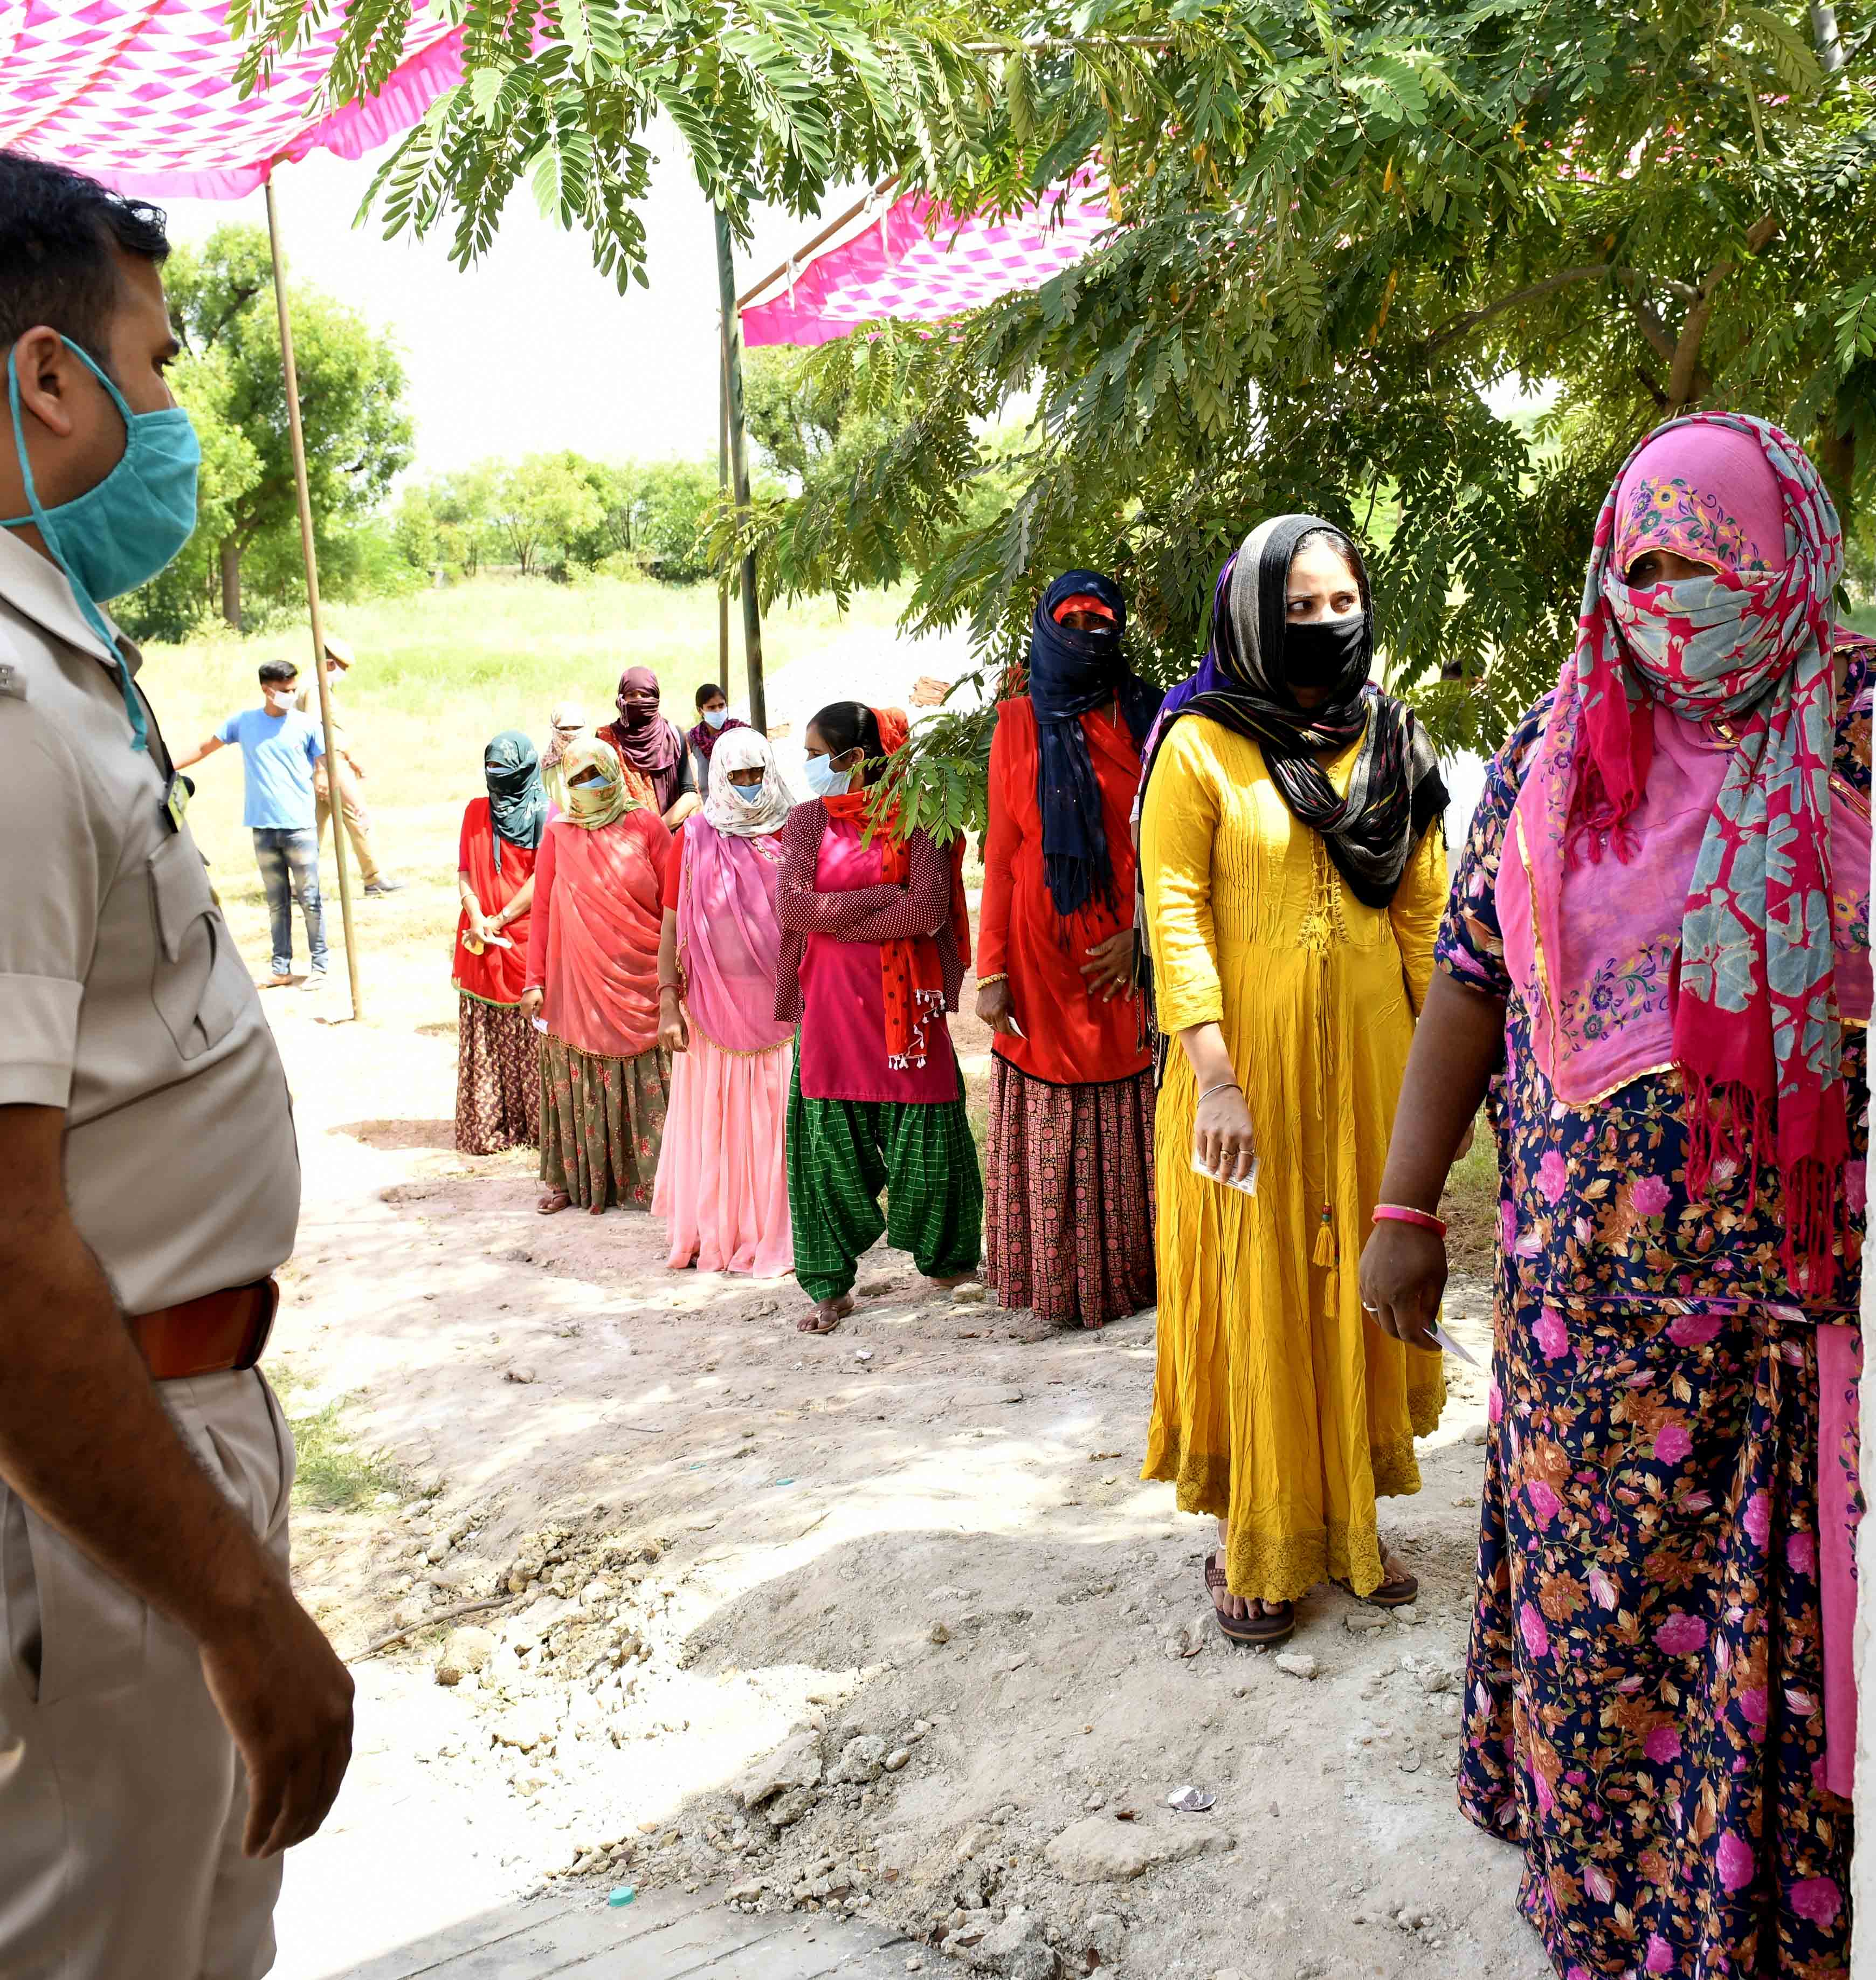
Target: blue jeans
289, 863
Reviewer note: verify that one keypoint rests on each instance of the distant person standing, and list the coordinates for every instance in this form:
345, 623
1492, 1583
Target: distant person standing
349, 772
281, 750
171, 1717
565, 726
714, 721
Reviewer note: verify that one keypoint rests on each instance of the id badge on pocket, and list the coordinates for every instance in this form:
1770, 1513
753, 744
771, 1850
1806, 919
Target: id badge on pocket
176, 796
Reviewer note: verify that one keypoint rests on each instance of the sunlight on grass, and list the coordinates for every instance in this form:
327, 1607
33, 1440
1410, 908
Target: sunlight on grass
331, 1473
1470, 1205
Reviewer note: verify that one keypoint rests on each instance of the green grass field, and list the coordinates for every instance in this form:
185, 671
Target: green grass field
438, 674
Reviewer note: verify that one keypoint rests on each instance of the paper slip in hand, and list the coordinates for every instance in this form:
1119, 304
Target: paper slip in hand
1451, 1346
1249, 1185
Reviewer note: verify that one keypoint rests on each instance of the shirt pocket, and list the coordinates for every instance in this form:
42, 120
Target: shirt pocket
188, 985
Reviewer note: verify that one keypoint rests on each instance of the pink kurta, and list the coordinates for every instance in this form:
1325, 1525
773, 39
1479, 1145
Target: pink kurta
843, 1033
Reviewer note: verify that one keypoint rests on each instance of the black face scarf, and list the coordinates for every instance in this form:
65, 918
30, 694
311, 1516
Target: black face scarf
1072, 671
1243, 682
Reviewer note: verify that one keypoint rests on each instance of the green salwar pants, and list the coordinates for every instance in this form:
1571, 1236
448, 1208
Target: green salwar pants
842, 1153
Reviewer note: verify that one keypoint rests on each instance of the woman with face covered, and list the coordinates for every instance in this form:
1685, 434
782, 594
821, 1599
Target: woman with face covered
722, 1183
1294, 876
1657, 955
1068, 1174
659, 765
497, 1075
593, 981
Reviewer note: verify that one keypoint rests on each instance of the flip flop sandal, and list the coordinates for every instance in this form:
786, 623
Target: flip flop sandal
1251, 1630
1392, 1594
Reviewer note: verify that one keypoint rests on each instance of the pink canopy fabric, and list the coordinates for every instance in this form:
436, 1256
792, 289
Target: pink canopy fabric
142, 94
902, 265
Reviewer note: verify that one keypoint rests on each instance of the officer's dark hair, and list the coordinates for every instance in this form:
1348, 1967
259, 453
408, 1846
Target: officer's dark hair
852, 725
277, 670
59, 232
709, 692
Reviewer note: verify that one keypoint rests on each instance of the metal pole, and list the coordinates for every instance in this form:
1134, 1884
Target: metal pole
739, 467
722, 482
296, 434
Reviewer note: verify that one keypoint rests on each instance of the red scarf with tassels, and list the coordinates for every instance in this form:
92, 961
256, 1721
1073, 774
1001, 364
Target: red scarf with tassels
911, 974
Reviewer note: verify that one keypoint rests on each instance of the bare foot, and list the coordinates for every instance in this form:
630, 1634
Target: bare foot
945, 1282
552, 1200
826, 1316
1238, 1608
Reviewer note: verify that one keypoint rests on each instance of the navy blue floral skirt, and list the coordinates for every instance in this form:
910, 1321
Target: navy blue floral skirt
1645, 1687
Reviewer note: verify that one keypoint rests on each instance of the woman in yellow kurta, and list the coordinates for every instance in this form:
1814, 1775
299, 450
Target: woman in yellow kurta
1293, 887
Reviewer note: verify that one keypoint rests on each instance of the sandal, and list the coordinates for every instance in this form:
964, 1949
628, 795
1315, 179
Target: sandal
1255, 1630
1396, 1590
553, 1203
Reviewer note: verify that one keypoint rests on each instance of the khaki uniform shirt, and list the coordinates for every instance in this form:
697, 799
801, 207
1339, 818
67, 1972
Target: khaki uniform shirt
122, 999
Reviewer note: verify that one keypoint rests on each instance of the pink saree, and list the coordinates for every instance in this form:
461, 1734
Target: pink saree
598, 914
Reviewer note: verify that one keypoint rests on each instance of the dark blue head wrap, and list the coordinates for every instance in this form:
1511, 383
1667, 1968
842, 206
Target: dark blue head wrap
1072, 672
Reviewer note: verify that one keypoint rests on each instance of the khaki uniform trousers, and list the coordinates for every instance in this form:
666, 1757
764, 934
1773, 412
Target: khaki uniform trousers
357, 826
122, 1797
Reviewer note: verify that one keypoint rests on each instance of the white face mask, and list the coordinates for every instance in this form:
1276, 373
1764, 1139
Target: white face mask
278, 697
823, 779
715, 717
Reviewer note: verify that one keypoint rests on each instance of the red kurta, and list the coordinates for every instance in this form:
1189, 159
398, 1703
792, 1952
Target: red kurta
497, 976
1072, 1038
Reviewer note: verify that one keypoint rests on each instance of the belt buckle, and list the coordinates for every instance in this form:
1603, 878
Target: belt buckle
261, 1326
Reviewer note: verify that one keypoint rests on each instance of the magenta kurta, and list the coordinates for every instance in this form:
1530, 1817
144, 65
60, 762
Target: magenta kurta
843, 1036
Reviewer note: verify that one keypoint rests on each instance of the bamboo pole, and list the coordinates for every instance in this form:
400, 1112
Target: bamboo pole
722, 483
739, 467
296, 433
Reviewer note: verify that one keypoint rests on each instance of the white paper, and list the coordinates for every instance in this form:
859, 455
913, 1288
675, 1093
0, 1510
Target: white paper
1249, 1185
540, 1024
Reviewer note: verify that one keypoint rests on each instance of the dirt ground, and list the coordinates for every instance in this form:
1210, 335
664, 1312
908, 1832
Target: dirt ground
885, 1620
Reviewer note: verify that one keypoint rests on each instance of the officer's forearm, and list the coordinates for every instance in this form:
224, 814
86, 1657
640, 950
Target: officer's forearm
84, 1438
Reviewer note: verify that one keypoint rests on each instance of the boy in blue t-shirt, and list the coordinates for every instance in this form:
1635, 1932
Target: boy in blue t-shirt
279, 748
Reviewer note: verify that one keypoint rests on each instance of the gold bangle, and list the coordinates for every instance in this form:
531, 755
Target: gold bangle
984, 982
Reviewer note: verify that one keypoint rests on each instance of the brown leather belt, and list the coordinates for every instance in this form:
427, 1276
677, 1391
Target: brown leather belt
208, 1336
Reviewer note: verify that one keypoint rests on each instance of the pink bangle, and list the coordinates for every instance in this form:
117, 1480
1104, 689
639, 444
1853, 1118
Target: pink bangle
1398, 1213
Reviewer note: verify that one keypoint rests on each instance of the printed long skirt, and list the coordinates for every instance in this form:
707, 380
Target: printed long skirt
1068, 1196
602, 1123
722, 1183
497, 1077
1644, 1689
842, 1153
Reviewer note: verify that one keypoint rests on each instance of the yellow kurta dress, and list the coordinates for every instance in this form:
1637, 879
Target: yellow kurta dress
1278, 1405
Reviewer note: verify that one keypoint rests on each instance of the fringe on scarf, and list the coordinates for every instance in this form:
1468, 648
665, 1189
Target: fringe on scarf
1730, 1123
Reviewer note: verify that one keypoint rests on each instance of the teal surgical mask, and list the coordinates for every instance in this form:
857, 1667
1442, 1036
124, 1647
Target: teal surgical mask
132, 525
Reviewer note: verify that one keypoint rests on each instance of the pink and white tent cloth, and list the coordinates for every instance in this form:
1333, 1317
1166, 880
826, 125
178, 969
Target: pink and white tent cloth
905, 264
141, 94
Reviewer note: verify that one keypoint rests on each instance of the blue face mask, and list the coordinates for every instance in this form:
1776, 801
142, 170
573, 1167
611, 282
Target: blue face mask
751, 794
823, 779
715, 718
132, 525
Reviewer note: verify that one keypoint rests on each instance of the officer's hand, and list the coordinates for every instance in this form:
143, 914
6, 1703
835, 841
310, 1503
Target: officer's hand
287, 1700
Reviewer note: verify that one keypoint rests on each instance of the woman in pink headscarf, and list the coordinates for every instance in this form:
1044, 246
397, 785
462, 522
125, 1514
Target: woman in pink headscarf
1657, 952
722, 1183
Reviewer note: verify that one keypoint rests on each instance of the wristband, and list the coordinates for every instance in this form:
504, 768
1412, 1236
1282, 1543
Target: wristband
1400, 1213
984, 982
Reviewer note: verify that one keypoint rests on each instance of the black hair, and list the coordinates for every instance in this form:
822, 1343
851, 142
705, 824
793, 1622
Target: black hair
277, 670
59, 232
709, 692
852, 725
1344, 547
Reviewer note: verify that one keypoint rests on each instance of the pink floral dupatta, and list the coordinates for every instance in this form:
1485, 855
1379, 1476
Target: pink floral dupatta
1692, 736
728, 933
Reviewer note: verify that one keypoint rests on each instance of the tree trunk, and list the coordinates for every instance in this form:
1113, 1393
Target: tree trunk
231, 557
1836, 451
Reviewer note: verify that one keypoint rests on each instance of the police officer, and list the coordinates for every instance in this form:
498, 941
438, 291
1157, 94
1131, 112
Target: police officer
171, 1717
